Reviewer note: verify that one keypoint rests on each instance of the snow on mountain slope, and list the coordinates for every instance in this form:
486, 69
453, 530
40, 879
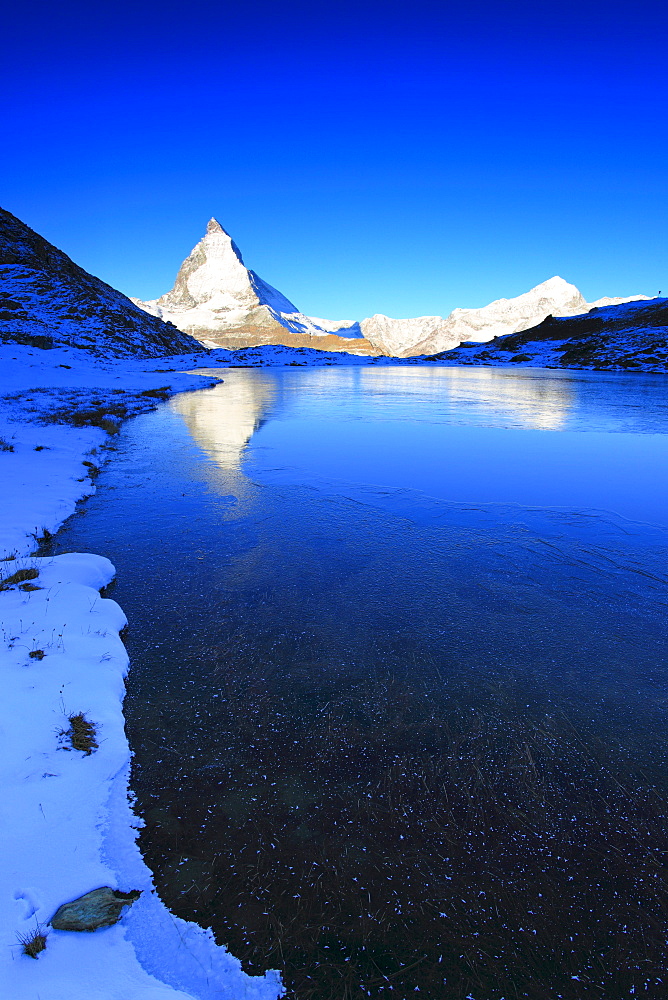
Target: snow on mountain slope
616, 300
432, 334
222, 303
47, 300
632, 335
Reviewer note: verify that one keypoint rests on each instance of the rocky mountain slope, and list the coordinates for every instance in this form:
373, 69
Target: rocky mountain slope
632, 336
431, 334
222, 303
46, 300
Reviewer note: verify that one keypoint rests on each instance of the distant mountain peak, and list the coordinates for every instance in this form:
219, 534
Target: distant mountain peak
217, 299
214, 226
555, 282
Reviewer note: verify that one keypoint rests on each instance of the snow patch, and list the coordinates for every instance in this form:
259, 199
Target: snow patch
66, 823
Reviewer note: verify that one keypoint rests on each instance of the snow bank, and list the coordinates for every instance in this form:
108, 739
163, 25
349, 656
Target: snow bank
66, 822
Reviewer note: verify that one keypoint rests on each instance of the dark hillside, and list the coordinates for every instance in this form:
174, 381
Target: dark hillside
46, 300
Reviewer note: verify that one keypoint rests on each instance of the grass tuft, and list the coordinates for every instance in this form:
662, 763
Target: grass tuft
6, 445
20, 576
82, 734
163, 392
33, 943
106, 416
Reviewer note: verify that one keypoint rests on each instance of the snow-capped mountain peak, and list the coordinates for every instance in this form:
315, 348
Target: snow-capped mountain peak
212, 274
432, 334
217, 299
214, 226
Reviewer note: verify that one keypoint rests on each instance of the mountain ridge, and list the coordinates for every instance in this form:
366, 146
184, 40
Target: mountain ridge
47, 300
622, 336
222, 303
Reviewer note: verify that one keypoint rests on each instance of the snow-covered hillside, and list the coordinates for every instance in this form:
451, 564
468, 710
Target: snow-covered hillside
625, 336
432, 334
47, 300
217, 299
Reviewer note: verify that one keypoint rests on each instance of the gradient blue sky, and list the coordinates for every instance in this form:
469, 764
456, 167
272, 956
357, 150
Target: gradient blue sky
403, 158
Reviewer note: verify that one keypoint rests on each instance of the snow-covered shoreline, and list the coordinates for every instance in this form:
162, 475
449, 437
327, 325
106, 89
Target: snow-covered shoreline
67, 825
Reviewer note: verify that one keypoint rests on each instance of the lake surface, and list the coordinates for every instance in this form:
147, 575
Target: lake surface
398, 692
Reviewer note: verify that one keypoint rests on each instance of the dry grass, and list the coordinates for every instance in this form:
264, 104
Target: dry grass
33, 943
82, 733
164, 392
20, 576
6, 445
107, 416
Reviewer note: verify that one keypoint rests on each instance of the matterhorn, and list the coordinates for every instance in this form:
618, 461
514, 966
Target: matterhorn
222, 303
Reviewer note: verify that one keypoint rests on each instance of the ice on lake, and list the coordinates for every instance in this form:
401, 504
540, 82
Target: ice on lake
399, 650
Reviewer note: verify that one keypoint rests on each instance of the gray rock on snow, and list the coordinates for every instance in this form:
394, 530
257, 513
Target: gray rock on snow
98, 908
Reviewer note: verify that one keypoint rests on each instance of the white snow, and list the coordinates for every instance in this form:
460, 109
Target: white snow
615, 300
215, 292
66, 823
432, 334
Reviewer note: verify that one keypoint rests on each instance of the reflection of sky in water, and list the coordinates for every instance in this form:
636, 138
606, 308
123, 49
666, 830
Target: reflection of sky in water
480, 436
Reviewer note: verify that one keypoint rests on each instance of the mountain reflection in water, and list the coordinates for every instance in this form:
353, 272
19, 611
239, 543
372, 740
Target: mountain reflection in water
223, 423
574, 441
494, 396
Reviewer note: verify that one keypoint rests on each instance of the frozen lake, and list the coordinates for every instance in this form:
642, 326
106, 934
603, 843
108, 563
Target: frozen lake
398, 692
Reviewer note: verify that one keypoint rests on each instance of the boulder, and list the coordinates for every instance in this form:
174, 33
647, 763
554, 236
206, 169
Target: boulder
98, 908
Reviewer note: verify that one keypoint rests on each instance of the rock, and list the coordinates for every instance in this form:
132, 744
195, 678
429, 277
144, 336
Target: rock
99, 908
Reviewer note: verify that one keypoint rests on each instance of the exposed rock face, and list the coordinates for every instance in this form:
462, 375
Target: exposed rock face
403, 338
47, 300
99, 908
630, 335
218, 300
432, 334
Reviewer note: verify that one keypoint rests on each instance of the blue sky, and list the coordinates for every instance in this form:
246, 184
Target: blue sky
403, 158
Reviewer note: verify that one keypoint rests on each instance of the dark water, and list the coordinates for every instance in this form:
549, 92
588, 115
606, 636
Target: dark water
398, 692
